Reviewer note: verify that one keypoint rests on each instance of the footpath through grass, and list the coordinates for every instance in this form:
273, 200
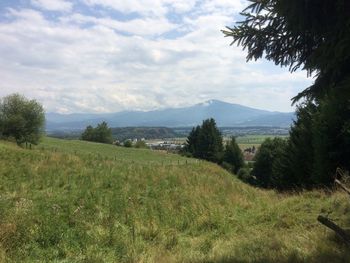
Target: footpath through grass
71, 201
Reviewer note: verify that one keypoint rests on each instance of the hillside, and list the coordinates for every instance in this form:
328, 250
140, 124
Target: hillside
225, 114
74, 201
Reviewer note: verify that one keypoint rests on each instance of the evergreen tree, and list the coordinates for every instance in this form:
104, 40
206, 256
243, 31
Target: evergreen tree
296, 163
314, 35
205, 142
192, 141
331, 138
233, 155
210, 146
266, 160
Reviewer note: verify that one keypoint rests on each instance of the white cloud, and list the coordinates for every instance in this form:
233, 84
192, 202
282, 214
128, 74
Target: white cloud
53, 5
145, 7
143, 27
83, 63
181, 6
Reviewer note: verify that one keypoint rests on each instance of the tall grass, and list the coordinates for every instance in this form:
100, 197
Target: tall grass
71, 201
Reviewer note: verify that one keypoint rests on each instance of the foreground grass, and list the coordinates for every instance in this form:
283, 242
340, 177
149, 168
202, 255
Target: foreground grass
70, 201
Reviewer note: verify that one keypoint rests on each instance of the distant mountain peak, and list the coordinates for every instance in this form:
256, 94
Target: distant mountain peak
212, 102
206, 103
225, 114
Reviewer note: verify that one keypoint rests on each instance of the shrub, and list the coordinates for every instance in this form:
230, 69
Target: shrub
227, 166
128, 144
141, 144
245, 175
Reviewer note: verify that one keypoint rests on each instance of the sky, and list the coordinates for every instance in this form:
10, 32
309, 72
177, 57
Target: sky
114, 55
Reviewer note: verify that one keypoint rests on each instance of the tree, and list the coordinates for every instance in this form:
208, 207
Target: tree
88, 134
21, 119
192, 141
209, 146
233, 155
331, 138
205, 142
312, 34
266, 159
102, 133
296, 163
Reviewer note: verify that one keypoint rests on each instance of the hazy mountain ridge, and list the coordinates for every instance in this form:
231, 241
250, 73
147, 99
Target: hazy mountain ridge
225, 114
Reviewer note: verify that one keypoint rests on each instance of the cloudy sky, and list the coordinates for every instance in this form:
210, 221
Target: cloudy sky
113, 55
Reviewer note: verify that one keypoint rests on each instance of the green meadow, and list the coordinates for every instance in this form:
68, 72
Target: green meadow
75, 201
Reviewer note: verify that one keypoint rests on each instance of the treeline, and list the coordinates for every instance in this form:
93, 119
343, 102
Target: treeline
319, 142
103, 134
205, 142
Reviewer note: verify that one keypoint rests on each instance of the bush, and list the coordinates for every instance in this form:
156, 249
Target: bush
141, 144
128, 144
227, 166
245, 175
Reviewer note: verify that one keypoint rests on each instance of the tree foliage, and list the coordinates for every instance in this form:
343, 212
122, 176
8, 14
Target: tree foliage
318, 144
210, 146
295, 165
102, 133
21, 119
205, 142
311, 34
192, 140
233, 155
266, 161
331, 137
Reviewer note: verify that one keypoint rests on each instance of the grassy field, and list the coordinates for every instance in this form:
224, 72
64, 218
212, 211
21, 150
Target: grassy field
72, 201
254, 140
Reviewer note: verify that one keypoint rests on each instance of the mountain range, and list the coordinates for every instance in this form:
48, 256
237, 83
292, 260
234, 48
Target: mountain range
225, 114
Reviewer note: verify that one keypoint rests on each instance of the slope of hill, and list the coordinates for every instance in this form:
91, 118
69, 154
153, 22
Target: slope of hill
226, 114
74, 201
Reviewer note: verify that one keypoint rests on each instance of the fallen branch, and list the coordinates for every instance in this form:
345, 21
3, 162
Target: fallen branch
342, 186
338, 230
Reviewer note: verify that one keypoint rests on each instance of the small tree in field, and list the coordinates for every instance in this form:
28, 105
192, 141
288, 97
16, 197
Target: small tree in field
21, 119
